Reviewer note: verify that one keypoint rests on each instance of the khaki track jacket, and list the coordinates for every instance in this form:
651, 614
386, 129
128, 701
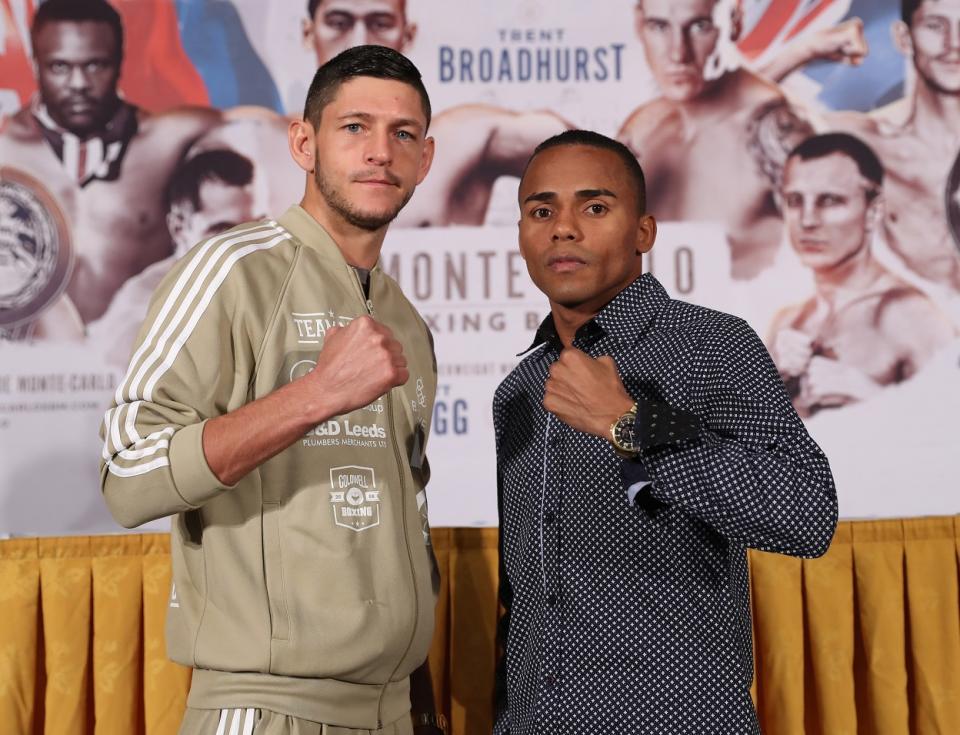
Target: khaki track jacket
309, 587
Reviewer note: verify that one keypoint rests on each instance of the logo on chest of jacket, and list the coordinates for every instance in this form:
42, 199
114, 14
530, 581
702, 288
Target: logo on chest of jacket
311, 326
354, 497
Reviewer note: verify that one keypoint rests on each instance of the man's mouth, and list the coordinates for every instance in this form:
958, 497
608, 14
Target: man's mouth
565, 263
384, 180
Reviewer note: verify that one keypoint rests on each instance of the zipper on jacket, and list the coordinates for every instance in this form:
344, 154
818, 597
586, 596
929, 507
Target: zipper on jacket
403, 513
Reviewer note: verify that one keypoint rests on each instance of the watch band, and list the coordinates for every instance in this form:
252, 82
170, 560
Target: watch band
432, 719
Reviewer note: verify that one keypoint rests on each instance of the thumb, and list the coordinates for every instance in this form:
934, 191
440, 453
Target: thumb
330, 333
607, 361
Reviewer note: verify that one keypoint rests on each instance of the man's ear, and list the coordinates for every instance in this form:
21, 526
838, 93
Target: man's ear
176, 220
875, 213
306, 34
409, 36
426, 159
900, 32
646, 233
302, 141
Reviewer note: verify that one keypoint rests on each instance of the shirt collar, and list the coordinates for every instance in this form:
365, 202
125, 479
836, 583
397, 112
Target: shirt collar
627, 316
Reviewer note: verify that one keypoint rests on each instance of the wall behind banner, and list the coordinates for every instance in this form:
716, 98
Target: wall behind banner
859, 302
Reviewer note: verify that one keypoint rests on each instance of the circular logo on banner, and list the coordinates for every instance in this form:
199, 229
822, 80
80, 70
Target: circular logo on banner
35, 254
953, 201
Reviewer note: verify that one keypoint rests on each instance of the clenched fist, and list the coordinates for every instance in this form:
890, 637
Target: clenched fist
792, 352
586, 393
358, 364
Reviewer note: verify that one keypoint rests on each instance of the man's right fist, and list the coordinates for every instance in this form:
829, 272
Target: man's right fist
358, 364
792, 351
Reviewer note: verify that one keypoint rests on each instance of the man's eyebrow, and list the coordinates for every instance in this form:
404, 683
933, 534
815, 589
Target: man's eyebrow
401, 122
541, 196
548, 196
591, 193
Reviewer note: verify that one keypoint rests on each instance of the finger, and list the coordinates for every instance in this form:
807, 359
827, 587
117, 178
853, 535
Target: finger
393, 345
577, 356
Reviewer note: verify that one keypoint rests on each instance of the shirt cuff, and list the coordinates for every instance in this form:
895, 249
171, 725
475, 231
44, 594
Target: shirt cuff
192, 476
659, 424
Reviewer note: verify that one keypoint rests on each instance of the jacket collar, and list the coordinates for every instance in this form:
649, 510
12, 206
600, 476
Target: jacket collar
302, 225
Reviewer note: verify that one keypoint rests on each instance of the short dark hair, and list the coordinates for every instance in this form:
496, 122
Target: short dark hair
379, 62
218, 164
908, 8
591, 139
78, 11
821, 146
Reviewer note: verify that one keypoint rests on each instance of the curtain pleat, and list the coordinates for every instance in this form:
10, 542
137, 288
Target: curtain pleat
116, 564
777, 591
66, 597
829, 612
933, 609
865, 640
883, 706
21, 672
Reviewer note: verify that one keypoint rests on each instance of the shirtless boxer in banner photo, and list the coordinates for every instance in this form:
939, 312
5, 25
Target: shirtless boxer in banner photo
713, 144
103, 161
917, 137
864, 328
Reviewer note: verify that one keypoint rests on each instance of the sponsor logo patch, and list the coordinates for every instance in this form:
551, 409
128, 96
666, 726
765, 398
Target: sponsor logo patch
354, 497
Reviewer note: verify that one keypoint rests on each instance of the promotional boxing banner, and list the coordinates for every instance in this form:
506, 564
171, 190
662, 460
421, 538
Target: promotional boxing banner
801, 158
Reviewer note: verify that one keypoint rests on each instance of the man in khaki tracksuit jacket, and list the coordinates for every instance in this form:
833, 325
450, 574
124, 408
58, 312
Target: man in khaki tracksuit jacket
277, 405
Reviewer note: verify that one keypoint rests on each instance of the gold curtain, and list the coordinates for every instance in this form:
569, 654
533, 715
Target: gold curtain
864, 640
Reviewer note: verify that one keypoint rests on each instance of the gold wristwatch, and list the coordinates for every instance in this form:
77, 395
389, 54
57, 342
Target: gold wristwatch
432, 719
623, 434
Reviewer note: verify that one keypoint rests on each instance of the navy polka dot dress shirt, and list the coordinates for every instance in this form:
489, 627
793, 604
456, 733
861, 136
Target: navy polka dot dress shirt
627, 611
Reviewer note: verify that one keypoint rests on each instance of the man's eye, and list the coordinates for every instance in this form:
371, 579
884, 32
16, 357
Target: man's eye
352, 127
702, 26
405, 135
793, 201
597, 208
341, 22
540, 213
830, 200
655, 25
380, 22
58, 67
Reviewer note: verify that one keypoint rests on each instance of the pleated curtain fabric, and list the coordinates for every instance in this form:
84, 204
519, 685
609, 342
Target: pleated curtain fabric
863, 640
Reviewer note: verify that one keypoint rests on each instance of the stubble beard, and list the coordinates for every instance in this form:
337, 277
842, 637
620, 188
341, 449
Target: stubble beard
370, 221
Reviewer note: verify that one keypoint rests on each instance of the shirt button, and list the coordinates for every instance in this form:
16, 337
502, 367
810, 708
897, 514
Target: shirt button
549, 680
556, 439
552, 600
549, 518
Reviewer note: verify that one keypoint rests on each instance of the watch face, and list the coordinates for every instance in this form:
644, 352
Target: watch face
626, 432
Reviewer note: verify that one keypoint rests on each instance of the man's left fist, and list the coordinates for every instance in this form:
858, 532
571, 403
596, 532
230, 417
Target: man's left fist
586, 393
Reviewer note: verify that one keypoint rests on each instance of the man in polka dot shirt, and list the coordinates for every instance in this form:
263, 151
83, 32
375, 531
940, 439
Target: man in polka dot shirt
643, 444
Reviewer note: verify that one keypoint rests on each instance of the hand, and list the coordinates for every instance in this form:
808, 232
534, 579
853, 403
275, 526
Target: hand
584, 393
843, 42
358, 364
833, 383
793, 350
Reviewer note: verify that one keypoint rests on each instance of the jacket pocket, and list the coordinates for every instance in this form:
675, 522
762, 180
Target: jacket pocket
273, 570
